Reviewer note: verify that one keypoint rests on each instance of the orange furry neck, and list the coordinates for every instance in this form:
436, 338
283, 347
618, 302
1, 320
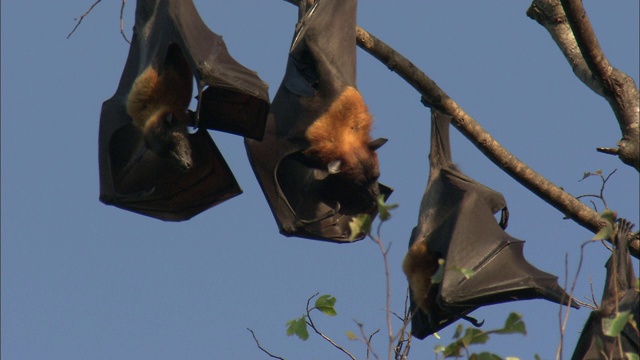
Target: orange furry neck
153, 95
342, 132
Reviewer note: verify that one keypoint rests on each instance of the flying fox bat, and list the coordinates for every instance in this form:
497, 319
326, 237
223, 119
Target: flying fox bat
150, 163
317, 164
457, 224
619, 295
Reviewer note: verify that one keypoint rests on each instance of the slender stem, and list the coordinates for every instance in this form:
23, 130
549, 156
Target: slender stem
81, 17
310, 323
387, 274
263, 349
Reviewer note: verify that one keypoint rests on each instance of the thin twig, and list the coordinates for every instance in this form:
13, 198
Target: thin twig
370, 338
367, 343
593, 295
263, 349
124, 2
79, 19
602, 187
563, 322
312, 325
387, 274
402, 351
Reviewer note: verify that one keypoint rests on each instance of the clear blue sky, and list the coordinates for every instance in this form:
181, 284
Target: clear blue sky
82, 280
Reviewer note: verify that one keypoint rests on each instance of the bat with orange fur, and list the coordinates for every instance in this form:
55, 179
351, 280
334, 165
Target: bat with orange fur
152, 160
317, 164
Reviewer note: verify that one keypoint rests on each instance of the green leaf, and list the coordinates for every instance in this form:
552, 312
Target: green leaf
384, 209
609, 215
438, 349
484, 356
325, 304
513, 325
298, 327
436, 278
468, 273
604, 232
453, 350
358, 225
613, 327
458, 332
474, 336
351, 335
585, 175
632, 356
537, 357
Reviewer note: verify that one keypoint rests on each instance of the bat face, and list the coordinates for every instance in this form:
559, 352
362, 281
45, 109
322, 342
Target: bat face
317, 163
157, 104
150, 162
456, 224
166, 135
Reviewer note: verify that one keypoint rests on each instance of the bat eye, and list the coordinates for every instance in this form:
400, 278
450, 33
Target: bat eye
169, 119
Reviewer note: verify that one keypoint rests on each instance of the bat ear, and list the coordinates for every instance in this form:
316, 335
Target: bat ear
377, 143
334, 166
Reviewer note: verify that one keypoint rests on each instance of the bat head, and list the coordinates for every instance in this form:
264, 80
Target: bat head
360, 169
166, 135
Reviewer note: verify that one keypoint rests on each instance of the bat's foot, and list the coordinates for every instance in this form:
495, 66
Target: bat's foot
473, 321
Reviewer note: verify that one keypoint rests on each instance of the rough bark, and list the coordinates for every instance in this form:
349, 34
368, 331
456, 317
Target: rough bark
570, 28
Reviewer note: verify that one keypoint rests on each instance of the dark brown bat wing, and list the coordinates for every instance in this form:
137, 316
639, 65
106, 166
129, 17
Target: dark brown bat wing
321, 66
235, 100
619, 290
169, 35
457, 224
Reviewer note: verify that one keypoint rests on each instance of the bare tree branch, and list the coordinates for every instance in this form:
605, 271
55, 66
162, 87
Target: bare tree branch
569, 26
82, 17
124, 2
550, 15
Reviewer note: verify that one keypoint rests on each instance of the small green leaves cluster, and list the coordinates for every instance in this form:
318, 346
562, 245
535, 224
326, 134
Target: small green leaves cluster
613, 327
298, 326
587, 174
361, 224
471, 335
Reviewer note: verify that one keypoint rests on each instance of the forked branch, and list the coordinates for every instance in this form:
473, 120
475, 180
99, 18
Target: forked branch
570, 28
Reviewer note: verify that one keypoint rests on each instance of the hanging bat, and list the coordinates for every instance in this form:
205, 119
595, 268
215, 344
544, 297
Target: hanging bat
150, 163
483, 265
317, 164
619, 295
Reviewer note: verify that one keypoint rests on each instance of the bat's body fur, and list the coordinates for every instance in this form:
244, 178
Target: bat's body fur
158, 105
419, 265
342, 134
